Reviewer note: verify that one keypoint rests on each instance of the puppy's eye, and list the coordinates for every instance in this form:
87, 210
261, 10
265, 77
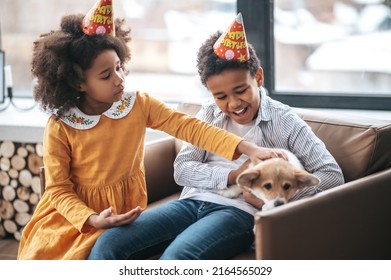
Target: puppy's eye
286, 186
268, 186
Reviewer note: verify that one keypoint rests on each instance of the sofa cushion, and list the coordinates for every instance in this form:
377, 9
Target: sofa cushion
360, 145
158, 158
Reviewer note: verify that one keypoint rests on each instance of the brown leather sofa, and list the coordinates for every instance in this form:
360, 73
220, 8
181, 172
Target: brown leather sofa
351, 221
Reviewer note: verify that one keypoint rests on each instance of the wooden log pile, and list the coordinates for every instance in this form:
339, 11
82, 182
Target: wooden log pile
20, 188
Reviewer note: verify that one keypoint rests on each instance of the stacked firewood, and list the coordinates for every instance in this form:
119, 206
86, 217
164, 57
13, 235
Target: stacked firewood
20, 188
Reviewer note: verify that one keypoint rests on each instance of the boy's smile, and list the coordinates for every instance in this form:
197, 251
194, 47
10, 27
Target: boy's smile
242, 112
236, 93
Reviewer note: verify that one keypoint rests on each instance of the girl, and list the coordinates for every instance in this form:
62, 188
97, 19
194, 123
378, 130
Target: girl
94, 140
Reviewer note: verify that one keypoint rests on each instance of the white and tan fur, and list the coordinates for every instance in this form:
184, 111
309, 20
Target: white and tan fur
275, 181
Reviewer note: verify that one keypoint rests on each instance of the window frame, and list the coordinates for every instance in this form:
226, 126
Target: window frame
258, 19
2, 74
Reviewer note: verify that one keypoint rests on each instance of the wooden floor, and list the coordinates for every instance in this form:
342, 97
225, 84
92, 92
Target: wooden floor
8, 249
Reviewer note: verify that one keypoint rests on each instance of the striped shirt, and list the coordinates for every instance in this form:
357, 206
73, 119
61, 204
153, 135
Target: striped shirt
276, 126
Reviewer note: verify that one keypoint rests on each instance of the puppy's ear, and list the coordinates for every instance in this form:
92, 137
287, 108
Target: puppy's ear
246, 178
306, 179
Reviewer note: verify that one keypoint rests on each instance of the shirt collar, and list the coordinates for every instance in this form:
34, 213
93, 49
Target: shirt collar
79, 120
264, 113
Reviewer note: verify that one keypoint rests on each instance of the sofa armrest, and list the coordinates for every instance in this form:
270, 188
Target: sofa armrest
351, 221
159, 158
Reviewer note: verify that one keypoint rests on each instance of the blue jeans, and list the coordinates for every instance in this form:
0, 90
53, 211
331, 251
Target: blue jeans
180, 230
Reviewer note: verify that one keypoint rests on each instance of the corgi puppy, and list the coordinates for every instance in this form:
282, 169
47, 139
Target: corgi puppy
275, 181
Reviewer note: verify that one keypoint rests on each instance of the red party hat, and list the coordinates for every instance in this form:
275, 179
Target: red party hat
99, 20
232, 44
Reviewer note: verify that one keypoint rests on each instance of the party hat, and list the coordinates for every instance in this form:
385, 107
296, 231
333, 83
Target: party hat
232, 44
99, 20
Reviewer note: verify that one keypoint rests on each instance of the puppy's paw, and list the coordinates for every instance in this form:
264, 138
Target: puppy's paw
231, 192
268, 205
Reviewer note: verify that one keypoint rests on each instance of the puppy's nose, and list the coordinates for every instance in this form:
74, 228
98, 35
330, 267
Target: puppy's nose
278, 203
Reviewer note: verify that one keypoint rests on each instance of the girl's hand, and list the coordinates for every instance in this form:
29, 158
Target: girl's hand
107, 218
257, 154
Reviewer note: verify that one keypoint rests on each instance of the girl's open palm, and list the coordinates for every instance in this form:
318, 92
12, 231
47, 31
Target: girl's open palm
107, 218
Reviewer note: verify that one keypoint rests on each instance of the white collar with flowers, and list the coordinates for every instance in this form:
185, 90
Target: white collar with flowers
77, 119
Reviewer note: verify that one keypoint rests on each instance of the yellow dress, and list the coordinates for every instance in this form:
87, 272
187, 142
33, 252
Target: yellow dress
93, 162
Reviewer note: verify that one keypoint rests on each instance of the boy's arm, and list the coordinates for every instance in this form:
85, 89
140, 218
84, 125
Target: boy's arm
191, 170
315, 158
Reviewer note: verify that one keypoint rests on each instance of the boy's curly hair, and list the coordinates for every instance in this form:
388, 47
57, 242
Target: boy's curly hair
60, 58
209, 64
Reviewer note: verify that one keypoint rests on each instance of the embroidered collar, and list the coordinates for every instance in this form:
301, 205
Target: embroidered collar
77, 119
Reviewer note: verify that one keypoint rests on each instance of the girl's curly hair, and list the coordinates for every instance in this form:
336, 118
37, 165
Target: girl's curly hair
60, 58
209, 64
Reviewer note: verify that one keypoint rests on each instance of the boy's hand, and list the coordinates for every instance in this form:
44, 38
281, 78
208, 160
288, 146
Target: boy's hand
107, 218
235, 173
252, 199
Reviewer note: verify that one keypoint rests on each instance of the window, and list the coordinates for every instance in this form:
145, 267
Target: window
330, 54
166, 35
2, 81
323, 54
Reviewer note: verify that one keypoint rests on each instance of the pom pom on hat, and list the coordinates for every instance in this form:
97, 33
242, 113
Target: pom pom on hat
99, 20
232, 44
